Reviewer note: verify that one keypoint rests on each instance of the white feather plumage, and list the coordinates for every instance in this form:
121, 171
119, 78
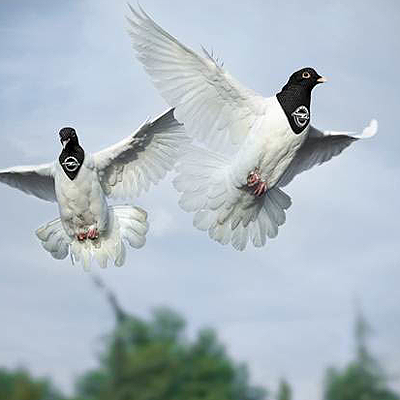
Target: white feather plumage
242, 131
125, 169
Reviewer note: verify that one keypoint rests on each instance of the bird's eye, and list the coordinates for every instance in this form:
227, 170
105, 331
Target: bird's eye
306, 75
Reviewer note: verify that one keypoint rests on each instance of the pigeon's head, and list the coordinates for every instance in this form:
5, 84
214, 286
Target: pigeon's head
68, 137
306, 77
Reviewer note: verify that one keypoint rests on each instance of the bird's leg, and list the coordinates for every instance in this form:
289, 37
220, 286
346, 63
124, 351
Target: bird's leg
260, 189
93, 233
81, 236
254, 180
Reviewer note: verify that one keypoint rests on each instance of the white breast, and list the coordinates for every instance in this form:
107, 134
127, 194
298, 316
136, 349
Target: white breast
81, 201
270, 146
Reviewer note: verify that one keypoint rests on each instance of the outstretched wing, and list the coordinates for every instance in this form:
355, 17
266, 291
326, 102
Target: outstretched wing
130, 166
320, 147
215, 108
37, 180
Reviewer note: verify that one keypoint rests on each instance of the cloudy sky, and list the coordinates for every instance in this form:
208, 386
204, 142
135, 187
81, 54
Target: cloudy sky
286, 309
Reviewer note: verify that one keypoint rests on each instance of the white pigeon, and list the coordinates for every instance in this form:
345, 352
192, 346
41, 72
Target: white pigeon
255, 145
80, 183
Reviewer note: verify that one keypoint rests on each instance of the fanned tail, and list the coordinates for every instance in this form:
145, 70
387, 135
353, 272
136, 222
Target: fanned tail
223, 207
126, 223
54, 239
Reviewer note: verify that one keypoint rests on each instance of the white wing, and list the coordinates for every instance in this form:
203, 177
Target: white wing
320, 147
130, 166
215, 108
37, 180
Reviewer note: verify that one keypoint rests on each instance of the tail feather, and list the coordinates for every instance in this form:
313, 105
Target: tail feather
54, 239
125, 223
230, 214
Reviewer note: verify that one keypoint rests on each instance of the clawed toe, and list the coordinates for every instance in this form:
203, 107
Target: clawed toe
81, 236
261, 189
92, 234
254, 179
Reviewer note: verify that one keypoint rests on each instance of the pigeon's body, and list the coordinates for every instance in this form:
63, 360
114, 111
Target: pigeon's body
81, 182
81, 201
269, 146
251, 145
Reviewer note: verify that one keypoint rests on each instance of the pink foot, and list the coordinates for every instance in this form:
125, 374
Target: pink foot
81, 236
254, 179
92, 234
260, 189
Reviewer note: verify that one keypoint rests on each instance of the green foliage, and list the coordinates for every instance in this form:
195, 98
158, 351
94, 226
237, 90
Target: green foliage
363, 378
284, 391
152, 360
19, 385
92, 384
357, 383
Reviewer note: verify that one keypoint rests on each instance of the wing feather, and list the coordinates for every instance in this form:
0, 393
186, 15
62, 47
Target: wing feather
321, 146
36, 180
129, 167
208, 100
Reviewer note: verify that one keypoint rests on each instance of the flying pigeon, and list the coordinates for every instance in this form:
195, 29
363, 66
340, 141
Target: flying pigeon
252, 145
80, 183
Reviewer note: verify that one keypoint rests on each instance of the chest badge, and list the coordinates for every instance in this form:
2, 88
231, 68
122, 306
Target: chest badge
71, 164
301, 116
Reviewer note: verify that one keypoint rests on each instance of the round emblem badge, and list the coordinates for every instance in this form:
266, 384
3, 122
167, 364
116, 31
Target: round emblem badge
301, 116
71, 164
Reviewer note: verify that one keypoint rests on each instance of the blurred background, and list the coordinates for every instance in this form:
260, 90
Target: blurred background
313, 315
154, 359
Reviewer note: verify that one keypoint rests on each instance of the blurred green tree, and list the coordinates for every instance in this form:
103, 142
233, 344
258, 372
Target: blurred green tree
20, 385
153, 360
363, 378
284, 390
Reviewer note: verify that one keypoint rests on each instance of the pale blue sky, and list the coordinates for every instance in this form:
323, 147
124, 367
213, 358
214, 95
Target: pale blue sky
286, 309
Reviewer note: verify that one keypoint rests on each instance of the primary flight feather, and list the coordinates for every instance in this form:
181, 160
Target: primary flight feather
80, 183
254, 145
